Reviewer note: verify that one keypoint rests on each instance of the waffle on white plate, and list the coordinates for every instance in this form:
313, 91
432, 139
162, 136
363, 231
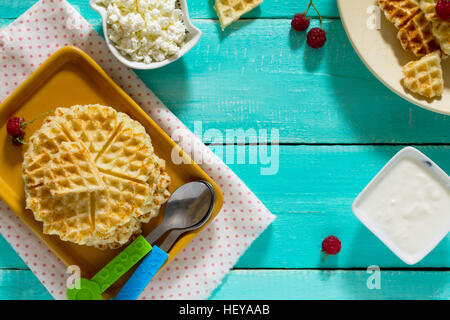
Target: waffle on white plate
399, 12
441, 28
417, 36
231, 10
424, 76
424, 34
92, 177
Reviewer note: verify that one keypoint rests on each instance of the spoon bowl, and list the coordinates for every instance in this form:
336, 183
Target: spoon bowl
188, 208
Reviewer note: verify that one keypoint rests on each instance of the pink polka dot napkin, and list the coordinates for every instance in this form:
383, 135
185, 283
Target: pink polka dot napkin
24, 45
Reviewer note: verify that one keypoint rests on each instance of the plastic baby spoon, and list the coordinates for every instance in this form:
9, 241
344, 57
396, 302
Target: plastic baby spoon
189, 207
93, 289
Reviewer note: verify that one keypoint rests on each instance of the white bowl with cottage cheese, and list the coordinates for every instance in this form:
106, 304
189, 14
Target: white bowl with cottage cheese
147, 34
407, 205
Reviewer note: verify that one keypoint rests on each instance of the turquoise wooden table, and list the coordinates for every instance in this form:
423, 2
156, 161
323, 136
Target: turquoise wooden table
338, 126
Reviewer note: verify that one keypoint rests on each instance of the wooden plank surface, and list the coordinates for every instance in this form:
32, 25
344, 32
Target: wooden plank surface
21, 285
199, 9
312, 196
334, 284
310, 96
321, 102
325, 96
282, 284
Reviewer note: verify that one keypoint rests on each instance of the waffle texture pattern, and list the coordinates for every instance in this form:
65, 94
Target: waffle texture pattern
92, 177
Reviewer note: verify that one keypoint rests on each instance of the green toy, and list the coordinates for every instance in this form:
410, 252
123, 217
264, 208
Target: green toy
93, 289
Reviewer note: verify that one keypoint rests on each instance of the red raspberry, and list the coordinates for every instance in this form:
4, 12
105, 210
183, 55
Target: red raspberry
300, 22
15, 127
443, 9
331, 245
316, 38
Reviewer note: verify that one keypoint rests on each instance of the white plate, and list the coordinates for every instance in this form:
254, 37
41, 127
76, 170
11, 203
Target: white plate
382, 53
193, 35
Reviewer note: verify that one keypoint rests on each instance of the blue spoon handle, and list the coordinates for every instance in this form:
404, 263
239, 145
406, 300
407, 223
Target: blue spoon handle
149, 266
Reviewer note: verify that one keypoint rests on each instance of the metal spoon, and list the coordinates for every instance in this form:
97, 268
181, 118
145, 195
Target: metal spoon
189, 208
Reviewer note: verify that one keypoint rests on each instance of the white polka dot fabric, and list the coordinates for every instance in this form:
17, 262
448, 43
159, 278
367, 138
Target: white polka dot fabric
24, 45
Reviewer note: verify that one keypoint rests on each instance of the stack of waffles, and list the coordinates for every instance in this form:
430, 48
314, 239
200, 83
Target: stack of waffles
92, 177
424, 34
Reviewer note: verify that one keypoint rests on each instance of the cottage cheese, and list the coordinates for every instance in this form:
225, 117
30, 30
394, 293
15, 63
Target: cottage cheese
145, 30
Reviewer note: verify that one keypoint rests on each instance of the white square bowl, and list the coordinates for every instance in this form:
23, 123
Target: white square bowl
429, 165
193, 35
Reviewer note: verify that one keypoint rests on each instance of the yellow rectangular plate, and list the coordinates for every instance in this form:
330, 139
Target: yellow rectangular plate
70, 77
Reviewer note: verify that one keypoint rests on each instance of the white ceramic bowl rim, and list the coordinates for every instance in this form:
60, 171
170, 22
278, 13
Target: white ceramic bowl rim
408, 152
192, 37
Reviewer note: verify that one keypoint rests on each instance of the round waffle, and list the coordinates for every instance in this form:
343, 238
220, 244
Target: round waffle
92, 177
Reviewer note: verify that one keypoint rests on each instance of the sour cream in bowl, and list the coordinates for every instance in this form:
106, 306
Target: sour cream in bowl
407, 205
